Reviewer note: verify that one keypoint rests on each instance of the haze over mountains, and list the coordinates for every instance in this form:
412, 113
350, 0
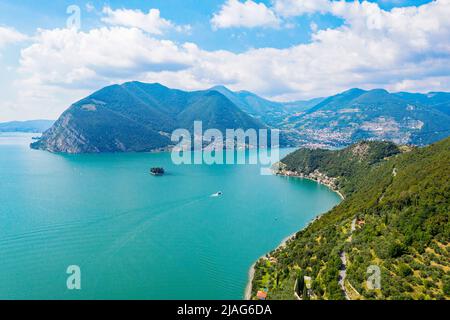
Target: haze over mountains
140, 117
33, 126
269, 112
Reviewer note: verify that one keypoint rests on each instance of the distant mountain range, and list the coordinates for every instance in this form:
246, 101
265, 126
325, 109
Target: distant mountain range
376, 114
32, 126
139, 117
270, 112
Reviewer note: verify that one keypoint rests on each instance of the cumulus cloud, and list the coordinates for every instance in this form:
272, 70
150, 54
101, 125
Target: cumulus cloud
234, 13
10, 35
290, 8
64, 65
402, 49
82, 58
150, 22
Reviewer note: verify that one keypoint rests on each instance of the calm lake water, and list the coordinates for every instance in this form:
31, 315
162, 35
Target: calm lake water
136, 236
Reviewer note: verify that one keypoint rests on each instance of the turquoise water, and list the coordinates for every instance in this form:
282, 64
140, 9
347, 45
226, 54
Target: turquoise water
136, 236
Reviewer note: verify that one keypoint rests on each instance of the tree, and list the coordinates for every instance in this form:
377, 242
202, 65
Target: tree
300, 283
447, 287
396, 250
404, 270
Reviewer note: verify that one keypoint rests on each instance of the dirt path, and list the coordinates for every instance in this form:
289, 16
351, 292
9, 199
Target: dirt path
343, 274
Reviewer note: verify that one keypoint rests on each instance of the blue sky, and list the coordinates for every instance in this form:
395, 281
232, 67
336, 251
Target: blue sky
28, 15
280, 49
51, 15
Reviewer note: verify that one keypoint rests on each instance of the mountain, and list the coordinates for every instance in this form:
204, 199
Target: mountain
395, 220
437, 100
270, 112
32, 126
139, 117
376, 114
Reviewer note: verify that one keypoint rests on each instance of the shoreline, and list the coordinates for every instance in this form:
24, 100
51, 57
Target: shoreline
315, 180
248, 287
315, 176
251, 271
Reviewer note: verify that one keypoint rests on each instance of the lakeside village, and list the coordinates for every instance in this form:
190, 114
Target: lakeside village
279, 169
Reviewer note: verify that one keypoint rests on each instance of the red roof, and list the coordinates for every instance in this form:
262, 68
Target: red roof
261, 295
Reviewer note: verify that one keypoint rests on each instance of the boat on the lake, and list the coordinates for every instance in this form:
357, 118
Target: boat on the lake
157, 171
217, 194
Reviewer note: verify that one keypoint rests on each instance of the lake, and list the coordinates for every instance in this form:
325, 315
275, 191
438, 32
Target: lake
136, 236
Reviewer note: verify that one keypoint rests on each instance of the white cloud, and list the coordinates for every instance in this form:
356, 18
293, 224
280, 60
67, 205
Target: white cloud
402, 49
63, 65
97, 56
10, 35
150, 22
249, 14
289, 8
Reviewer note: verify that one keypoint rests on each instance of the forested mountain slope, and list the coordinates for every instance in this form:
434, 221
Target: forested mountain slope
395, 217
139, 117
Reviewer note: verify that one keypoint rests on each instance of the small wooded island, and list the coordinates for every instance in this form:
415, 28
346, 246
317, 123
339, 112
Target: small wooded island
157, 171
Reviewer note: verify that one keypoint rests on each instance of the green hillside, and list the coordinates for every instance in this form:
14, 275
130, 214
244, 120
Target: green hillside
395, 217
139, 117
348, 166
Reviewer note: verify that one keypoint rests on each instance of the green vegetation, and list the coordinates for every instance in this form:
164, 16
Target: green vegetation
349, 166
395, 216
139, 117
